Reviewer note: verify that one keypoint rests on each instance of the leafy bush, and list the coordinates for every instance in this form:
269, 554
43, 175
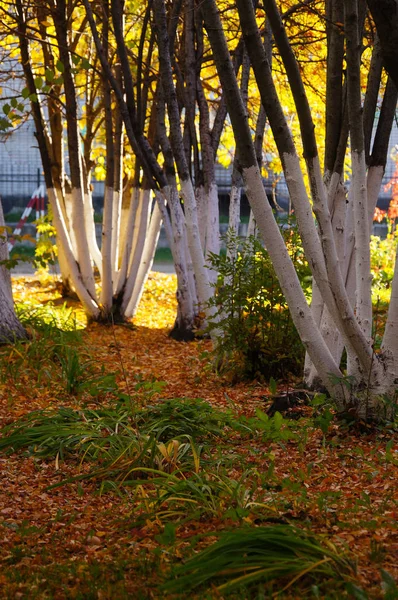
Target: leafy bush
46, 251
382, 256
257, 336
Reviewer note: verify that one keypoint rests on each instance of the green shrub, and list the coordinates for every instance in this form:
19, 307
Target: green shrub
382, 257
257, 336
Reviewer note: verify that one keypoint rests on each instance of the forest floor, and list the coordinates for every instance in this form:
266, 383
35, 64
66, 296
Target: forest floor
85, 539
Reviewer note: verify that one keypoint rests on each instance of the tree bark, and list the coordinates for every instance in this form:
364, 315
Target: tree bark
11, 328
385, 15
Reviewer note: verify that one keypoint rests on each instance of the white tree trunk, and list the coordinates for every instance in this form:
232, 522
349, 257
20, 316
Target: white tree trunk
88, 301
83, 252
68, 203
179, 251
145, 266
139, 234
90, 231
106, 251
301, 313
116, 213
213, 229
234, 208
10, 327
252, 227
195, 248
322, 316
128, 217
201, 203
362, 249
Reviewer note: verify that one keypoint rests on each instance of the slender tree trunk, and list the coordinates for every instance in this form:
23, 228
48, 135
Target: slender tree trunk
109, 196
78, 217
10, 327
146, 261
362, 250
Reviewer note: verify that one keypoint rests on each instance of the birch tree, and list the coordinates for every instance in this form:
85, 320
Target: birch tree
373, 374
11, 328
56, 70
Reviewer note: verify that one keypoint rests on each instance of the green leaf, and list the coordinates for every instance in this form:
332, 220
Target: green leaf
356, 592
4, 124
14, 103
60, 66
6, 108
389, 582
38, 82
261, 415
272, 386
278, 420
318, 400
33, 97
86, 64
168, 537
76, 59
49, 75
25, 93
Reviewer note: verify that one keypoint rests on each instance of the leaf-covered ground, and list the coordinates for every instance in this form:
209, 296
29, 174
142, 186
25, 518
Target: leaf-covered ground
82, 541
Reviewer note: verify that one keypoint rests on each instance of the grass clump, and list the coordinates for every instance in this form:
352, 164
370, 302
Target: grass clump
279, 556
53, 353
177, 417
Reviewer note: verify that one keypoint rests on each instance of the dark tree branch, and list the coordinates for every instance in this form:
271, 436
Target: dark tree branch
385, 15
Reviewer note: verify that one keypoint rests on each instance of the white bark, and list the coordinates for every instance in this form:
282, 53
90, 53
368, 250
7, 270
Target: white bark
10, 327
362, 249
90, 231
88, 301
322, 316
201, 203
179, 251
213, 222
116, 214
252, 227
234, 208
148, 254
213, 229
195, 248
301, 313
106, 251
333, 288
129, 197
128, 217
83, 253
139, 234
68, 203
191, 275
140, 229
